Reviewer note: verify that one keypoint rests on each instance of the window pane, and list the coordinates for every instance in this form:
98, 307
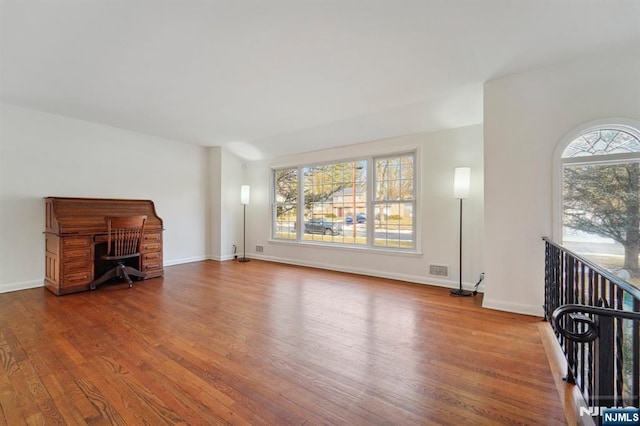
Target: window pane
407, 167
601, 215
285, 206
602, 142
394, 178
336, 203
286, 185
406, 190
394, 225
394, 202
286, 221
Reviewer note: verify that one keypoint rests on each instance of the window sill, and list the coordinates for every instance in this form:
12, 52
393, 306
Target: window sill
372, 250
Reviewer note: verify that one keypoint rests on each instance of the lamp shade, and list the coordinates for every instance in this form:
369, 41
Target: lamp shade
244, 194
461, 182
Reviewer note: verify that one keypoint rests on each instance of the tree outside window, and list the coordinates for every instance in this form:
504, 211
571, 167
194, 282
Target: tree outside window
601, 199
334, 195
394, 202
286, 203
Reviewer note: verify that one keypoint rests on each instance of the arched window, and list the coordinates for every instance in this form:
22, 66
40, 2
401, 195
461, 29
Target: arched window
602, 142
601, 198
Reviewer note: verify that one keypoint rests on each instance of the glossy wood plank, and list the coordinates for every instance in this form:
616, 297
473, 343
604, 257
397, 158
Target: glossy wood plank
264, 343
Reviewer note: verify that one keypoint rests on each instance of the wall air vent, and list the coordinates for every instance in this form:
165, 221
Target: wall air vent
439, 270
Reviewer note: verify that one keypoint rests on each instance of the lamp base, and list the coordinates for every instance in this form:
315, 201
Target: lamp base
460, 292
244, 259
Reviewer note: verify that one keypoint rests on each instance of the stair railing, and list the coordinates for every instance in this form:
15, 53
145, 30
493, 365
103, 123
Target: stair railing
596, 317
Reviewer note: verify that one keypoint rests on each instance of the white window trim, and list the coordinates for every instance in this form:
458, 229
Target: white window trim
628, 125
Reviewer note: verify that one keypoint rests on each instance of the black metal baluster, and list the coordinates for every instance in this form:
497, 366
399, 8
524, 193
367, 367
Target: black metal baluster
605, 366
635, 384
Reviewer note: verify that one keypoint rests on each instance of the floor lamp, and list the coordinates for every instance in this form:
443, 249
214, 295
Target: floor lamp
244, 199
461, 182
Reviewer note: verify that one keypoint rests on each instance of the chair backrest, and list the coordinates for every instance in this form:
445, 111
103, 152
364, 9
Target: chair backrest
124, 234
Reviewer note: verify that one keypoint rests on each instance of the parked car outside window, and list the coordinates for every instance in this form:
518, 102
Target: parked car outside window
360, 218
322, 226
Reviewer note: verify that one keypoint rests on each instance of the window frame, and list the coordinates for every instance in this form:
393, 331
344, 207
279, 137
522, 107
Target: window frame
370, 203
275, 203
626, 125
412, 202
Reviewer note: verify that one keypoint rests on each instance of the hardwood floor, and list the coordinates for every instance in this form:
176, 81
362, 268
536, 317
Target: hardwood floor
263, 343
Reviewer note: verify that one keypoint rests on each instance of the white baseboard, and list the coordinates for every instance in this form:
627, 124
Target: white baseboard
24, 285
222, 258
185, 260
418, 279
518, 308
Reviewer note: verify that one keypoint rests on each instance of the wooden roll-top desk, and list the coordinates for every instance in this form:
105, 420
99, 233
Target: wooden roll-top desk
75, 228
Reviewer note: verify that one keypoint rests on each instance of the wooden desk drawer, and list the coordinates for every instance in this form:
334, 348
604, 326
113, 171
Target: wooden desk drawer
76, 242
152, 238
151, 261
78, 254
152, 257
77, 278
151, 247
77, 266
153, 265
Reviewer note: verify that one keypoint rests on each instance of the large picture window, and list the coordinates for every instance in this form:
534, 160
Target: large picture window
365, 202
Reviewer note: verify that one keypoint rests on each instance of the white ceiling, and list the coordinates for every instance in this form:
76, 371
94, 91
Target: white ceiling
274, 77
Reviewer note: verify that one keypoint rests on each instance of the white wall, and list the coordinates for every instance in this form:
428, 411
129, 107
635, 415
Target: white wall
232, 170
215, 206
525, 117
49, 155
439, 154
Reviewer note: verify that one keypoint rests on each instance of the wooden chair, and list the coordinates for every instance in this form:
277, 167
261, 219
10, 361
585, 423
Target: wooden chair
124, 236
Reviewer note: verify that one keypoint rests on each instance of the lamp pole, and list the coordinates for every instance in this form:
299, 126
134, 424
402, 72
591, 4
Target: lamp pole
461, 190
244, 199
